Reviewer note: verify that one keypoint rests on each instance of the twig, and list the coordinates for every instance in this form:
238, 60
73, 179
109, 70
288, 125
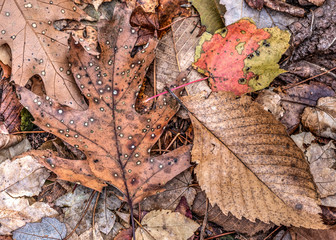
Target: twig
172, 141
172, 89
16, 133
155, 85
205, 220
295, 84
168, 26
94, 211
269, 235
81, 218
219, 235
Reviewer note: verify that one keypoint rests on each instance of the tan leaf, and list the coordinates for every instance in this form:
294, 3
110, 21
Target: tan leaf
321, 120
38, 48
248, 165
165, 225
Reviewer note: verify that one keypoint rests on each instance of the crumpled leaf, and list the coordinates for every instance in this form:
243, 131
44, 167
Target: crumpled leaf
22, 177
16, 212
248, 165
165, 224
229, 222
73, 204
236, 10
295, 99
38, 48
14, 150
321, 120
46, 229
91, 234
312, 234
211, 13
114, 137
241, 58
271, 102
174, 190
303, 140
322, 161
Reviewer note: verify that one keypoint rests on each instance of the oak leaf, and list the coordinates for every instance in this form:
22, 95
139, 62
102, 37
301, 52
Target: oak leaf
241, 58
114, 137
248, 165
38, 48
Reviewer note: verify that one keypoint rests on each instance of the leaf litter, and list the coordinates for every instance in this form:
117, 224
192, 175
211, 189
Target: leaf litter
178, 43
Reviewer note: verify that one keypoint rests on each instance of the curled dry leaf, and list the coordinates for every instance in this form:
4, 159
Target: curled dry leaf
9, 140
38, 48
322, 161
241, 58
115, 139
321, 120
271, 102
248, 165
165, 224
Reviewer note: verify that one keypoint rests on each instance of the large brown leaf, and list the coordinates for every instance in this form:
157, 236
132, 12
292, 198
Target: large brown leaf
114, 137
38, 48
248, 165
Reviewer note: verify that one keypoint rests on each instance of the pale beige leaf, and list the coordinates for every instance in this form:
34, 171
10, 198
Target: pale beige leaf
22, 177
322, 161
166, 225
321, 120
302, 140
38, 48
271, 102
248, 165
15, 150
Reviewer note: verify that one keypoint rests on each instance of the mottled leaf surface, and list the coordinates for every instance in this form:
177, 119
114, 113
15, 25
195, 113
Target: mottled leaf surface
248, 165
241, 58
115, 139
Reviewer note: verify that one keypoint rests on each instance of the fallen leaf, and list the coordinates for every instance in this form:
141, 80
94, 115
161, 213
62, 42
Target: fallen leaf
236, 10
165, 224
114, 137
228, 222
16, 212
303, 140
5, 60
47, 228
174, 190
125, 234
248, 165
9, 140
271, 102
241, 58
312, 234
73, 203
22, 177
10, 106
321, 120
322, 166
295, 99
211, 13
21, 145
38, 48
317, 2
92, 233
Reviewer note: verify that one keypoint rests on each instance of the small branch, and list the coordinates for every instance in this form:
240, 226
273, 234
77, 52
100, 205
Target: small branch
205, 220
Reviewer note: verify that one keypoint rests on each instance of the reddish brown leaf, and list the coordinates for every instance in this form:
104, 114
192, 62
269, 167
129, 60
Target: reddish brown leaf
312, 234
114, 137
125, 234
257, 4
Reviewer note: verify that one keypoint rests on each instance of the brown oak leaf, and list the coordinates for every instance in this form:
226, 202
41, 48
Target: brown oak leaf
115, 139
38, 48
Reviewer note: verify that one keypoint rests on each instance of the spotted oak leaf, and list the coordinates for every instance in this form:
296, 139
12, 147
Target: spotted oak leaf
114, 137
241, 58
38, 48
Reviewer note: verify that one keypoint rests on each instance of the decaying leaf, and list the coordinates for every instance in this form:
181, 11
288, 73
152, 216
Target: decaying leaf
322, 166
271, 102
22, 177
174, 190
48, 228
165, 224
236, 10
303, 140
241, 58
295, 99
16, 212
211, 13
311, 234
38, 48
114, 137
248, 165
321, 120
228, 222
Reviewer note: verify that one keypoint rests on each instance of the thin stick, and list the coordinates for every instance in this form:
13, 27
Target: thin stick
94, 211
295, 84
269, 235
205, 220
172, 141
172, 89
168, 26
16, 133
84, 213
155, 86
219, 235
